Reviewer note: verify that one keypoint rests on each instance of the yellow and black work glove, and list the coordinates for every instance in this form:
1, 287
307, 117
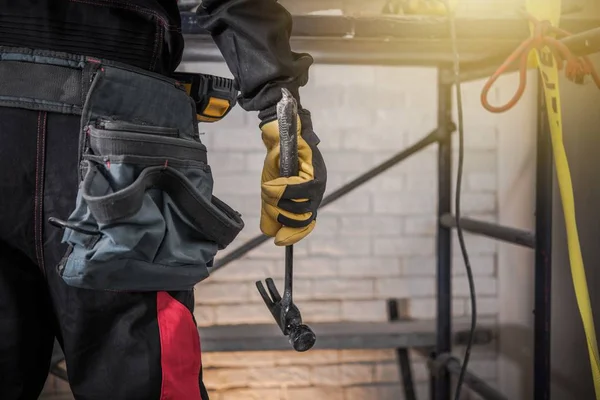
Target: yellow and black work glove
289, 205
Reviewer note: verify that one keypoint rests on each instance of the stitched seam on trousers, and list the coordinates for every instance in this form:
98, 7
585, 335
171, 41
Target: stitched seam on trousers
35, 193
155, 48
158, 46
161, 334
41, 196
161, 41
83, 93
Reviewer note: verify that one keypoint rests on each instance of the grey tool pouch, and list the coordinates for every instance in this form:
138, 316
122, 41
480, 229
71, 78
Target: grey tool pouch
145, 218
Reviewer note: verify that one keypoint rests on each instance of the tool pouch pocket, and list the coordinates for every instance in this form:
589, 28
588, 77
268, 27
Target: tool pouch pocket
146, 219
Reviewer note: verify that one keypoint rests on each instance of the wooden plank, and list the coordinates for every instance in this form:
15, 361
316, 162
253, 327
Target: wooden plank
349, 335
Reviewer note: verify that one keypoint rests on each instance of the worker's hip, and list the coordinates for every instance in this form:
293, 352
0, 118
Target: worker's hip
145, 217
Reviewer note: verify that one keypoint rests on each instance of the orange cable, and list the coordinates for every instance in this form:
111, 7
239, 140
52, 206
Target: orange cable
577, 68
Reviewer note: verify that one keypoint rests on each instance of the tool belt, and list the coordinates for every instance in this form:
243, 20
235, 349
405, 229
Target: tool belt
145, 218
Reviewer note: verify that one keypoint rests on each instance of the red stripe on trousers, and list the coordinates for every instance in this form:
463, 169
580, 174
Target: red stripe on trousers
180, 356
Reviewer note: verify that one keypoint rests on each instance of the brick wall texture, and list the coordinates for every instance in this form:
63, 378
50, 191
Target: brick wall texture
376, 243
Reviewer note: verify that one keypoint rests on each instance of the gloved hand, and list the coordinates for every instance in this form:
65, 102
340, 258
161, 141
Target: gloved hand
289, 205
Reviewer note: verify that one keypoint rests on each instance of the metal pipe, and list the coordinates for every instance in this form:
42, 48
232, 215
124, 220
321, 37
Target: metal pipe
384, 166
365, 51
444, 244
433, 30
344, 190
406, 374
447, 362
543, 255
402, 357
504, 233
584, 43
400, 41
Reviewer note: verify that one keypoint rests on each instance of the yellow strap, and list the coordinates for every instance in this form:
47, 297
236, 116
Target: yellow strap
550, 10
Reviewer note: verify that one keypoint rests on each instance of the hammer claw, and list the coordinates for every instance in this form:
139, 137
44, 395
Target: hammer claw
264, 295
273, 290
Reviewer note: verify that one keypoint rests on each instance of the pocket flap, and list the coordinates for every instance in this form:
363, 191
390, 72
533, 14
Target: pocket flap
215, 219
117, 143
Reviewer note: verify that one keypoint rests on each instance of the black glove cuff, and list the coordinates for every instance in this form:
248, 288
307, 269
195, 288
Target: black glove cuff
267, 115
308, 132
271, 94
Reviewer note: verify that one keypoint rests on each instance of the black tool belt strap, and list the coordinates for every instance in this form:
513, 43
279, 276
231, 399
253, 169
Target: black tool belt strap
50, 81
43, 80
215, 219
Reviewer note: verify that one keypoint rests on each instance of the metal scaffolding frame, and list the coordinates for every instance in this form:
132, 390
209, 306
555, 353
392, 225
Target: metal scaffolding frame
417, 41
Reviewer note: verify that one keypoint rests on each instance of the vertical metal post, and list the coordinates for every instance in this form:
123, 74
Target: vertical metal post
402, 355
444, 245
543, 255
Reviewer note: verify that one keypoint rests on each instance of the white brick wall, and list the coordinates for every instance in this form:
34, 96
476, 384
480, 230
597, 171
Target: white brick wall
377, 243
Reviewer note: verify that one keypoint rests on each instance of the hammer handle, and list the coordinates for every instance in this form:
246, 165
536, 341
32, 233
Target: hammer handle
287, 117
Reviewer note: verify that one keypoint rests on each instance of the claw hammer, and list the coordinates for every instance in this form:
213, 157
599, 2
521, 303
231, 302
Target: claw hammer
284, 311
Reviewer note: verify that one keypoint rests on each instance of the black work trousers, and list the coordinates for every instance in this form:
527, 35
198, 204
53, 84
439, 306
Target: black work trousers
118, 345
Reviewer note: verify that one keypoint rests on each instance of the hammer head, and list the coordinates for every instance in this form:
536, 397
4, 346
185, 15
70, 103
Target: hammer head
301, 336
